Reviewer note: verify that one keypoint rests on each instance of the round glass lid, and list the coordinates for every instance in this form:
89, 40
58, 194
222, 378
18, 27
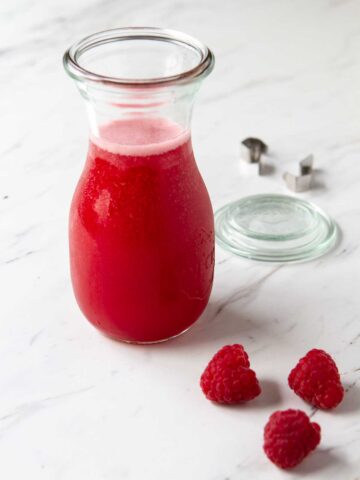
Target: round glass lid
274, 228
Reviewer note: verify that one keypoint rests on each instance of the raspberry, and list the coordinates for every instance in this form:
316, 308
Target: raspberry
316, 380
228, 378
232, 355
289, 437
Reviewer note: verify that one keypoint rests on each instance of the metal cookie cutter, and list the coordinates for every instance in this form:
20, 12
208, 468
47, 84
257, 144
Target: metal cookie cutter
251, 151
302, 182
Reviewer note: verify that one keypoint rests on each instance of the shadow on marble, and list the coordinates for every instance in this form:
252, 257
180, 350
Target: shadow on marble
269, 397
267, 169
351, 402
225, 327
320, 460
317, 183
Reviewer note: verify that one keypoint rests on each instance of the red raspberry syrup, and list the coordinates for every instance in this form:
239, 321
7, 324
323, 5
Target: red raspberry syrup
141, 232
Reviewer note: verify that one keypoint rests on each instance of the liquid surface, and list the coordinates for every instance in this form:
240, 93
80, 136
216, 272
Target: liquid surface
141, 232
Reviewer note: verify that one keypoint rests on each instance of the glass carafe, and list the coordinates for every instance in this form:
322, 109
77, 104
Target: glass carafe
141, 224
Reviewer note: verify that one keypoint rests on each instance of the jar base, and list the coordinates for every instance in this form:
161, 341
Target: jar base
151, 342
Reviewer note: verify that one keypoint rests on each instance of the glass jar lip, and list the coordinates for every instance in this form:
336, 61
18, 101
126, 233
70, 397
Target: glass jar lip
76, 71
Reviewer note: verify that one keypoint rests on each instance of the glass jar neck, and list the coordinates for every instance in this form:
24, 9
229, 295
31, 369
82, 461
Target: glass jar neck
106, 105
138, 74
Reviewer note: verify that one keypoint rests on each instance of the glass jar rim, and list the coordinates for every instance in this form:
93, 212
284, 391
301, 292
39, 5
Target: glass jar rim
78, 72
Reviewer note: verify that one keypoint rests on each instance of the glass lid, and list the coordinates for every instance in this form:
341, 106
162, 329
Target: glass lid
274, 228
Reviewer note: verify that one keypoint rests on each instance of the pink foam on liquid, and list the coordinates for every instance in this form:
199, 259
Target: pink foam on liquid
140, 136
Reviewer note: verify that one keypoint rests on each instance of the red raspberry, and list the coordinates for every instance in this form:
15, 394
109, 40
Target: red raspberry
316, 380
289, 437
228, 378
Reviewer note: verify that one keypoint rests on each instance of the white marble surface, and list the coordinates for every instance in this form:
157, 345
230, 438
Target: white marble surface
75, 405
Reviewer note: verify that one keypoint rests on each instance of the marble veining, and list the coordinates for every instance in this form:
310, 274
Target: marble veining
76, 405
